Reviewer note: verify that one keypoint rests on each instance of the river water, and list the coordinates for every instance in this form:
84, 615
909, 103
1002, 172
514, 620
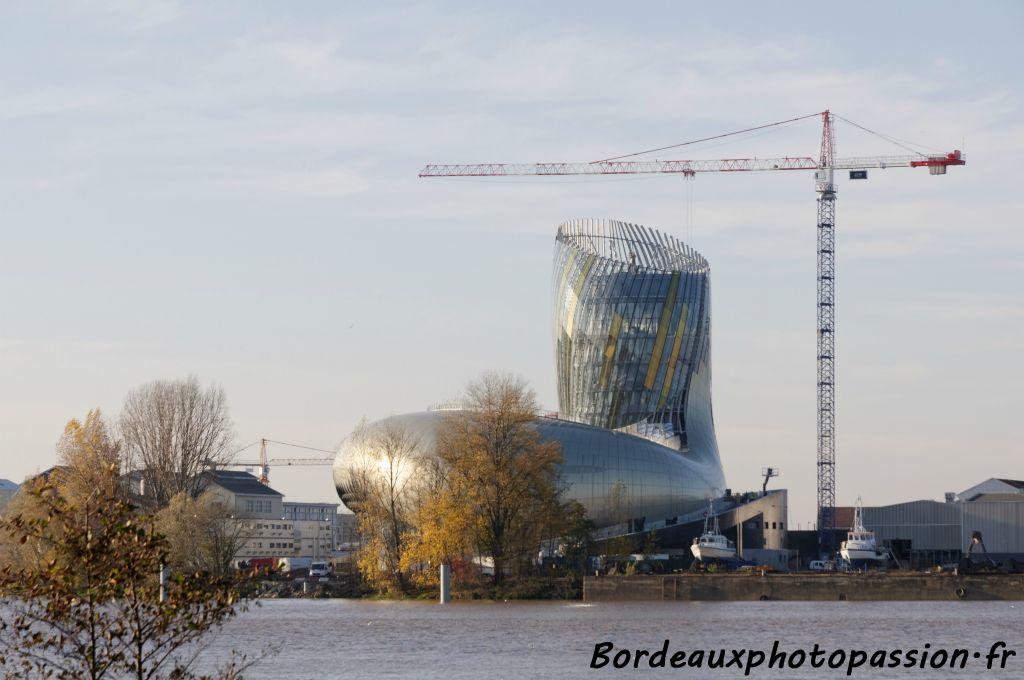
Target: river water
317, 639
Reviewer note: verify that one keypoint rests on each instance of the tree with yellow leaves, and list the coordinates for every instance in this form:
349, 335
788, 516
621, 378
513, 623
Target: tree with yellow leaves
502, 478
440, 532
90, 459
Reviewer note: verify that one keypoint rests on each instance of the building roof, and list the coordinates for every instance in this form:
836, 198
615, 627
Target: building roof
992, 485
305, 504
242, 483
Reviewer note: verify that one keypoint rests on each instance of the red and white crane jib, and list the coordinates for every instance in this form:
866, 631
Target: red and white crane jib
936, 165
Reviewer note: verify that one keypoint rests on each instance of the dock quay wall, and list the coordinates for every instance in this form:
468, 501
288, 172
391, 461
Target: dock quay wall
795, 587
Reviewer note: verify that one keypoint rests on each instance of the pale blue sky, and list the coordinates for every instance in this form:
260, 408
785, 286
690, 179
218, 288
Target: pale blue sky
229, 190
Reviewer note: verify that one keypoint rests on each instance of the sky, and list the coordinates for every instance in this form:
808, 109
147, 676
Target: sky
229, 190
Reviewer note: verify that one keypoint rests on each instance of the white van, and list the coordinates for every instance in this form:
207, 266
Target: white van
822, 565
320, 569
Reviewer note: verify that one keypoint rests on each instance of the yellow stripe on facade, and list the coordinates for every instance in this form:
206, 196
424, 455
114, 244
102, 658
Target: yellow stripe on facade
570, 316
680, 330
609, 349
565, 275
659, 340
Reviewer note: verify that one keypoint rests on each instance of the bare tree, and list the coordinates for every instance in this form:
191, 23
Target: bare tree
384, 481
172, 431
202, 535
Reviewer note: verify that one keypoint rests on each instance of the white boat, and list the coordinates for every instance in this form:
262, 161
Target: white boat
712, 546
860, 549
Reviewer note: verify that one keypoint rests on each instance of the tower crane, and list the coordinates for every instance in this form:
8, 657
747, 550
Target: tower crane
264, 462
824, 167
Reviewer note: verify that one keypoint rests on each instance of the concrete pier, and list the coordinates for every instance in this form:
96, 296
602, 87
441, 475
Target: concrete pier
796, 587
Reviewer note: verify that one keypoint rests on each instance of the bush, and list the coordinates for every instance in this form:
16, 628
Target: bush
93, 607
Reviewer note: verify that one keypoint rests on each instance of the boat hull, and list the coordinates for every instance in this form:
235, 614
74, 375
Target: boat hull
860, 558
707, 553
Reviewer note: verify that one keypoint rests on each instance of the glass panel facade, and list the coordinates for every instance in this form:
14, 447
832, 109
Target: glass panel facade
632, 326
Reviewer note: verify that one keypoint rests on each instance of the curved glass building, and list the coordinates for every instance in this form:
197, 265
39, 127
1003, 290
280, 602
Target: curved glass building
632, 344
632, 333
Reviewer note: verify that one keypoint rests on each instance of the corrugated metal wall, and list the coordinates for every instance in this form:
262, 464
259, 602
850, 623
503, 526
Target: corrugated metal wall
1001, 524
930, 525
927, 524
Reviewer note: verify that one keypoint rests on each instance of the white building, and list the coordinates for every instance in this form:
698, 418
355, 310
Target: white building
270, 527
317, 529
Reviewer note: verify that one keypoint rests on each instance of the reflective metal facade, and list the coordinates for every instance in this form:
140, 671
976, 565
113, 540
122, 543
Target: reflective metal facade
632, 335
616, 476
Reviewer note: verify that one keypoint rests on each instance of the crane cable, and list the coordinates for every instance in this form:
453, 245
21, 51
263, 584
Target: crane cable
891, 140
300, 446
708, 139
274, 441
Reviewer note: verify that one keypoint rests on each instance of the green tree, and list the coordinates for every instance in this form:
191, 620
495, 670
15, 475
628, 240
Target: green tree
650, 544
578, 540
93, 608
618, 510
500, 472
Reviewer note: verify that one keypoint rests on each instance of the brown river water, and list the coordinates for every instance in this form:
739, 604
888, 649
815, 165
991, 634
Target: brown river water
314, 639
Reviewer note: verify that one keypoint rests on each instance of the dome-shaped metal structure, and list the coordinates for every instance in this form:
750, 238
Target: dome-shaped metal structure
632, 330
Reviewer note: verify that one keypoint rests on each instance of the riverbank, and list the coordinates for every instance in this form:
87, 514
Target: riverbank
803, 587
323, 588
350, 587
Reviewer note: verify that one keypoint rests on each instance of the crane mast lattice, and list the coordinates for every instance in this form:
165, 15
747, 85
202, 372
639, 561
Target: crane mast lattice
824, 168
826, 189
